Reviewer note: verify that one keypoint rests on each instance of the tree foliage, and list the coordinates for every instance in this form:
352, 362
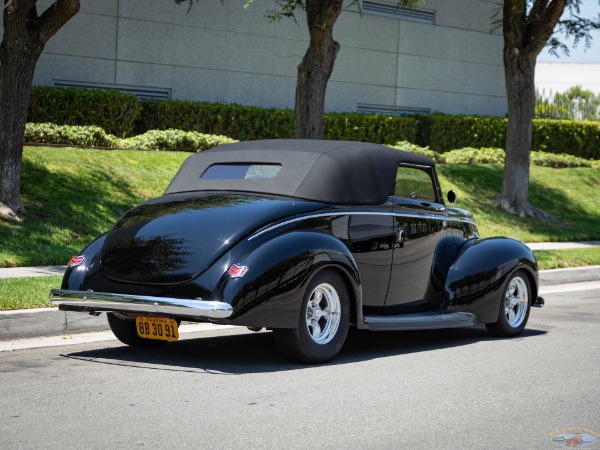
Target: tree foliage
572, 26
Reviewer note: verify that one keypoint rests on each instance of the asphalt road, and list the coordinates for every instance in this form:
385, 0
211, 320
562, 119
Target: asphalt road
452, 389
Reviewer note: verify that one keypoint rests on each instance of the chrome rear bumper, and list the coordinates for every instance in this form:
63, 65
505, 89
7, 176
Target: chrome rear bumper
102, 301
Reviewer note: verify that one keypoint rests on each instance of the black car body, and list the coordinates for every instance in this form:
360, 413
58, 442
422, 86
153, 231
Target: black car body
306, 238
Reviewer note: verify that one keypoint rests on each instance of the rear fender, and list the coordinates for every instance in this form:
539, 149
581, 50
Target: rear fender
476, 280
74, 277
270, 293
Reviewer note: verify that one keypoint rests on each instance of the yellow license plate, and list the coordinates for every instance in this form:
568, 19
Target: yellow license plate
159, 328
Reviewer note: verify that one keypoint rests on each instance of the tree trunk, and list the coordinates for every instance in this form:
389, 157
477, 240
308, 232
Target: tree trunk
525, 34
17, 66
316, 67
25, 35
519, 71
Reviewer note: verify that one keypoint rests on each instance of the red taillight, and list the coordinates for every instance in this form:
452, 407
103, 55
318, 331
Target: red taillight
237, 271
76, 261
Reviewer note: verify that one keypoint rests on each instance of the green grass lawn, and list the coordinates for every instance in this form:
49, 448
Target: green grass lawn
572, 196
558, 259
27, 293
74, 195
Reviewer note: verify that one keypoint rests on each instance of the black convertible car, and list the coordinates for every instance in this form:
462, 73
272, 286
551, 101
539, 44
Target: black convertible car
305, 238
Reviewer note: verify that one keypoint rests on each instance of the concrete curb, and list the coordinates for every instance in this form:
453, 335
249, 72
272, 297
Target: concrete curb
29, 323
571, 275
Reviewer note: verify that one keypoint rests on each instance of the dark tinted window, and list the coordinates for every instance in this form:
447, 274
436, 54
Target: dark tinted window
241, 172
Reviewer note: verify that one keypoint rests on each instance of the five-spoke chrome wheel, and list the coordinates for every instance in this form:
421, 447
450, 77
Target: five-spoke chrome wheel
323, 321
323, 313
514, 306
516, 302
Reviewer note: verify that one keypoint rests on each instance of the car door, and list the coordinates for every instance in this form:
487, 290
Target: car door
420, 222
371, 240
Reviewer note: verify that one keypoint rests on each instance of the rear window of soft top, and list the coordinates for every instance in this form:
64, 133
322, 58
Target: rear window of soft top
241, 171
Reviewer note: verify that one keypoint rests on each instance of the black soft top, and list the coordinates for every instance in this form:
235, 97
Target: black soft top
336, 172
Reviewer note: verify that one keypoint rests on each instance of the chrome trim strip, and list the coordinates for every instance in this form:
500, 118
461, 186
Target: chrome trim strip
361, 213
103, 301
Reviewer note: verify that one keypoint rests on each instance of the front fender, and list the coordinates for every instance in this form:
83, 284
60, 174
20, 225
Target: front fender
270, 293
476, 280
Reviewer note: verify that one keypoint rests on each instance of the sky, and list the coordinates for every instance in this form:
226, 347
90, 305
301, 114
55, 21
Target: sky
579, 54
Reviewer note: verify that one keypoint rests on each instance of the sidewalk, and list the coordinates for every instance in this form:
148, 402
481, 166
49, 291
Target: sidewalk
39, 271
30, 323
563, 245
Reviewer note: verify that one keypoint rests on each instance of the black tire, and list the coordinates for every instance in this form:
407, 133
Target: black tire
323, 339
126, 332
515, 305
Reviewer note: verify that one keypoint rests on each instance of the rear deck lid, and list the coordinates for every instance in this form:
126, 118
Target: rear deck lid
174, 238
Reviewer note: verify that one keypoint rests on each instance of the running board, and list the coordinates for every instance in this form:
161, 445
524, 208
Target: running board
430, 320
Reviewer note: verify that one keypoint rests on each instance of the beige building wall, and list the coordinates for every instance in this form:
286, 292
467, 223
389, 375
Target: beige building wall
225, 53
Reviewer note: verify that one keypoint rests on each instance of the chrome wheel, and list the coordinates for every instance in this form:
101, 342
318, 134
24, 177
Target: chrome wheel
516, 302
323, 321
323, 313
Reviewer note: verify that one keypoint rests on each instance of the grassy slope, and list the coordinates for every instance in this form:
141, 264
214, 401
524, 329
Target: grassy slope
572, 196
71, 195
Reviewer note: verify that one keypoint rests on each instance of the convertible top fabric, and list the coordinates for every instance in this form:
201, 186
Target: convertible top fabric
336, 172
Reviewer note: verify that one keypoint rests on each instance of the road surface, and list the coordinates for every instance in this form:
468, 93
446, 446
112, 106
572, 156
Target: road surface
229, 388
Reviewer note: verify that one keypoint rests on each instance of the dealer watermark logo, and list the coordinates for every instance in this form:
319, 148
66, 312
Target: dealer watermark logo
574, 437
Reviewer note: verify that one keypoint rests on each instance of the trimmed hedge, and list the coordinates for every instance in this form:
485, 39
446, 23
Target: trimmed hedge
573, 137
113, 111
413, 148
249, 122
173, 140
93, 136
122, 114
470, 155
369, 128
234, 121
443, 133
561, 160
50, 133
192, 141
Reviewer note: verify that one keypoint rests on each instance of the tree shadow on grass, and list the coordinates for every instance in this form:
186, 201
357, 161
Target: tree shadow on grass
65, 211
257, 353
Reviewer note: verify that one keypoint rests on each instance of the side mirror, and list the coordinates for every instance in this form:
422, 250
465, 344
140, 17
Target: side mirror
451, 196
